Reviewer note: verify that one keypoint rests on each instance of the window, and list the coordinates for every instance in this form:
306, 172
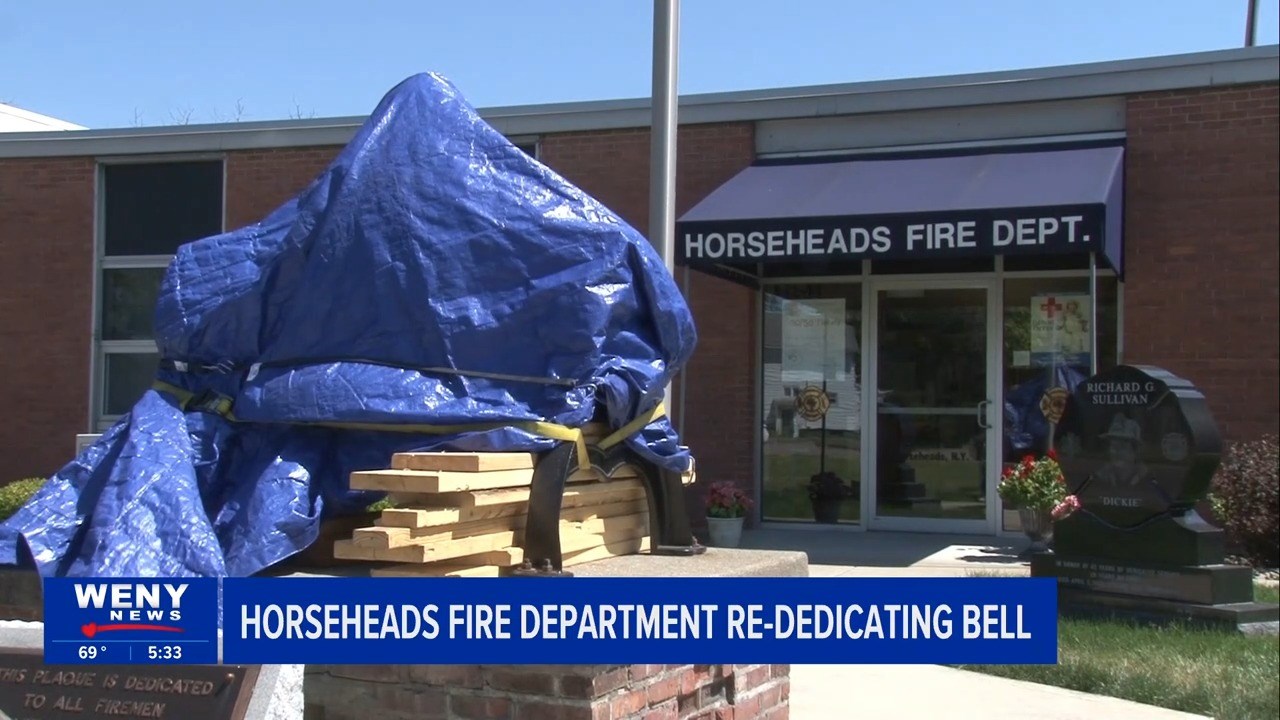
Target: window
1047, 342
147, 211
811, 344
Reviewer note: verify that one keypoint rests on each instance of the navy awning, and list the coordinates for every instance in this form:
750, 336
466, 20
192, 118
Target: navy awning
1025, 203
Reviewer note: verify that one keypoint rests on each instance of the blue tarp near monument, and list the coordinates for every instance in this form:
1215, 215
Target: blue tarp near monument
435, 275
1025, 427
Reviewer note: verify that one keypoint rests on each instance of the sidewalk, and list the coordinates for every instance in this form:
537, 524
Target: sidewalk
906, 692
820, 692
885, 554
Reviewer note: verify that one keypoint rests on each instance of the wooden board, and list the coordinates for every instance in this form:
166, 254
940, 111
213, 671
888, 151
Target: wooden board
420, 510
447, 550
440, 569
390, 537
508, 557
417, 481
574, 537
464, 461
433, 482
396, 536
469, 567
629, 546
614, 530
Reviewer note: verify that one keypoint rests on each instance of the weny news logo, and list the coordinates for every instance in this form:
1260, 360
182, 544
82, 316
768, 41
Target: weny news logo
148, 607
135, 620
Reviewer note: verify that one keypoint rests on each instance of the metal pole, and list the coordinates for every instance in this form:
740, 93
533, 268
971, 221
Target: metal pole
683, 374
662, 173
1093, 313
662, 157
1251, 24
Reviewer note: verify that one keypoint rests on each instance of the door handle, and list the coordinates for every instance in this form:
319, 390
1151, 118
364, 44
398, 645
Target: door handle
982, 415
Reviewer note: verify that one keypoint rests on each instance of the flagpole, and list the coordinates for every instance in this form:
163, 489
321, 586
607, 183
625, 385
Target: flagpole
662, 159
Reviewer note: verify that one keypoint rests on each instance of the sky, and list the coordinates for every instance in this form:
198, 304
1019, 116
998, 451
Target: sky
158, 62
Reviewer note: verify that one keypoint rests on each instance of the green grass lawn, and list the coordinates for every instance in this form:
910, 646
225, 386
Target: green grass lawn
1220, 674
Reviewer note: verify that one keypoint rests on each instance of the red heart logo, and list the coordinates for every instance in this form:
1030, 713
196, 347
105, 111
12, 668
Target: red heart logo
89, 630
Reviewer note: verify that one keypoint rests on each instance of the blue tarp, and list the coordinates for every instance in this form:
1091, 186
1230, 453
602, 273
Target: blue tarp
433, 274
1026, 429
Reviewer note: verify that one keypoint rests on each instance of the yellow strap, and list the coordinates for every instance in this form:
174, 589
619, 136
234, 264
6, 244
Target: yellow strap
545, 429
641, 422
184, 396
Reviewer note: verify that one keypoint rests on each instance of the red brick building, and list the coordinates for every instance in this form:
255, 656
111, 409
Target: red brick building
1138, 199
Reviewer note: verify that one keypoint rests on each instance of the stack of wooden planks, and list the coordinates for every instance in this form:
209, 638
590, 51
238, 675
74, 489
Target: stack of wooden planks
462, 514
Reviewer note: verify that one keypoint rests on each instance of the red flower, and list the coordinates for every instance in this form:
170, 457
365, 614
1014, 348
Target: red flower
1053, 454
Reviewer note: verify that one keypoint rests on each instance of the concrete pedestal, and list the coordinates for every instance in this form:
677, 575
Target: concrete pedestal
535, 692
572, 692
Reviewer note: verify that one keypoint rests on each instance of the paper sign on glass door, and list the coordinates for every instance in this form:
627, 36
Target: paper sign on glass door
1060, 331
813, 346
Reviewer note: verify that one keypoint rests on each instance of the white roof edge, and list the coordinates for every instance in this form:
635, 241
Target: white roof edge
28, 121
1173, 72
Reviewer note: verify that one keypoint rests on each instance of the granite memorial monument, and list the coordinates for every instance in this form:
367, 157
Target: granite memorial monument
1139, 449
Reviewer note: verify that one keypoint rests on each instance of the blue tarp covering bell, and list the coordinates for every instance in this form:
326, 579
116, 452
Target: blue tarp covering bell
435, 275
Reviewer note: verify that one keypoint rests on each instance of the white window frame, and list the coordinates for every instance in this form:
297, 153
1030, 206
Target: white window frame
99, 420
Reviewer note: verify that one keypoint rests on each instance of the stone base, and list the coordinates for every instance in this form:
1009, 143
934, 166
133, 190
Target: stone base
1185, 540
1253, 618
1198, 584
1216, 596
21, 594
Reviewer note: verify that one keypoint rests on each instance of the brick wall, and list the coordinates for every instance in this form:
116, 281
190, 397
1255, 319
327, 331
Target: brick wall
46, 280
1202, 248
46, 301
1200, 297
613, 166
259, 181
548, 692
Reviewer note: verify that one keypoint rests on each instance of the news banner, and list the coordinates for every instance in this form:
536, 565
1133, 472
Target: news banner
255, 621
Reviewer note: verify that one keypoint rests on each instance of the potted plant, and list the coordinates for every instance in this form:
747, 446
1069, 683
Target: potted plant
1038, 490
826, 492
727, 507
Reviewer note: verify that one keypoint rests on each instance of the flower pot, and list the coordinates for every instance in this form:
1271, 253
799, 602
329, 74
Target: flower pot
827, 510
1038, 526
725, 532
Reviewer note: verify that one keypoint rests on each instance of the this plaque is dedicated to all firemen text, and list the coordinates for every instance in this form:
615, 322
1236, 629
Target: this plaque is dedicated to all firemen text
31, 690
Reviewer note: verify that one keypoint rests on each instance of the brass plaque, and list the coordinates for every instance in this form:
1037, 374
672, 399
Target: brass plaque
31, 690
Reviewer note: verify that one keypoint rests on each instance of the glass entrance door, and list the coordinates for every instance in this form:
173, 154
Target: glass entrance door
932, 414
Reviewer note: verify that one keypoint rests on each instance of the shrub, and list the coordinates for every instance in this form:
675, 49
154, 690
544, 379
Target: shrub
16, 494
1246, 498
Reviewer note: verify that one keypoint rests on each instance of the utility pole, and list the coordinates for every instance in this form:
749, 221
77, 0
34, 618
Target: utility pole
662, 157
1251, 24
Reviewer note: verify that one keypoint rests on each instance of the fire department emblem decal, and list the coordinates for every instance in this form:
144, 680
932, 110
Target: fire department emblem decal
812, 403
1053, 403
